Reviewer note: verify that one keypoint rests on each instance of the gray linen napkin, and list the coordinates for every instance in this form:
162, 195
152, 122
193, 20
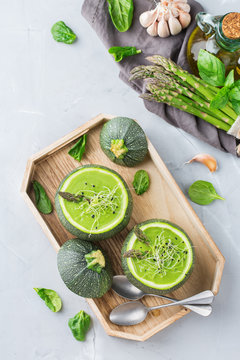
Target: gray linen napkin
174, 47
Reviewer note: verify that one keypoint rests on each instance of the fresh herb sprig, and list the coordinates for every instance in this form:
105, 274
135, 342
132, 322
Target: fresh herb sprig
78, 149
212, 70
203, 192
79, 325
43, 202
121, 52
62, 33
51, 298
121, 12
141, 182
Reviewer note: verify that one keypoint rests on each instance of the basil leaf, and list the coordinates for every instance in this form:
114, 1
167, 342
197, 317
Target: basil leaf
141, 182
51, 298
43, 202
234, 97
79, 325
62, 33
121, 52
78, 149
221, 99
211, 69
121, 12
203, 192
229, 79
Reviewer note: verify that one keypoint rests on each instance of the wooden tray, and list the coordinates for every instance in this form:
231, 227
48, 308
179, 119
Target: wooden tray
164, 199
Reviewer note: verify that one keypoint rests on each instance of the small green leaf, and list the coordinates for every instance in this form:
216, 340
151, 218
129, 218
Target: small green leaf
121, 12
141, 182
121, 52
79, 325
211, 69
234, 97
43, 202
62, 33
51, 298
229, 79
221, 99
78, 149
203, 192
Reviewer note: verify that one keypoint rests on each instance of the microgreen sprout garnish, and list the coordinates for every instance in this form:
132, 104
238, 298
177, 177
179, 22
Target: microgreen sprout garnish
165, 254
136, 254
140, 235
99, 203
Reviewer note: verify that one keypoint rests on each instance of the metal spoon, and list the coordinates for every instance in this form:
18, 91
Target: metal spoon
127, 290
134, 312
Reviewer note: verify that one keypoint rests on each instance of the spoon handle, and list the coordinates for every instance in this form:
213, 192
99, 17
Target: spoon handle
204, 310
205, 297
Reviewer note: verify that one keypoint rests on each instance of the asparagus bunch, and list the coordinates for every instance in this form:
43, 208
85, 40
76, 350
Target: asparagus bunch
169, 83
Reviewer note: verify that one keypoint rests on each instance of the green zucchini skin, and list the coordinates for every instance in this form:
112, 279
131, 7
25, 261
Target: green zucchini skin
94, 237
75, 274
133, 136
136, 282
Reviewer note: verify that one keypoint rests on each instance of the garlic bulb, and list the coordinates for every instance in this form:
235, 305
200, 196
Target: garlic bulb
168, 18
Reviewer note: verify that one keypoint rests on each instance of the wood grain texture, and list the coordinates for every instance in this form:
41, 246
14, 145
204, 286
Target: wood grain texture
163, 200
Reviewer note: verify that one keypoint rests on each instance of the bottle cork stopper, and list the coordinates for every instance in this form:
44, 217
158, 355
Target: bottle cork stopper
231, 25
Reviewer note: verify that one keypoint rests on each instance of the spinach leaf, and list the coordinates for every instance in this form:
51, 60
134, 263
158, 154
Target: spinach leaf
234, 97
43, 202
51, 298
211, 69
221, 99
62, 33
120, 52
121, 12
203, 192
229, 79
141, 182
78, 149
79, 325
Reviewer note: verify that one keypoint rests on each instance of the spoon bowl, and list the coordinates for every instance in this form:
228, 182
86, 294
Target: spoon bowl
131, 313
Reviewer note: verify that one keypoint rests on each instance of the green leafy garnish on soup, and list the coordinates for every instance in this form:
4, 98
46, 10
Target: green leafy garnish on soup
79, 325
141, 182
43, 202
51, 298
62, 33
78, 149
121, 52
203, 192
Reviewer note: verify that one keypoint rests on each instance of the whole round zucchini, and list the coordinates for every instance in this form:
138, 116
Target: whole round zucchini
93, 203
157, 256
84, 268
123, 141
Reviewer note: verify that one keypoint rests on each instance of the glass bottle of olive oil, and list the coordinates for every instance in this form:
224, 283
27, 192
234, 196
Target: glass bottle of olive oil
220, 35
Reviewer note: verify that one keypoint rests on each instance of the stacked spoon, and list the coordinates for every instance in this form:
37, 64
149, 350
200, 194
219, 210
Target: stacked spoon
134, 312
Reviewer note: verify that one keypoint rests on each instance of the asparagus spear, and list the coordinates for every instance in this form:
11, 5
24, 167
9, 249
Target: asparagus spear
167, 83
205, 89
187, 107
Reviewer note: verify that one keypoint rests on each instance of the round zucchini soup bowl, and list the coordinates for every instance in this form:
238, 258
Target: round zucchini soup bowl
157, 256
93, 203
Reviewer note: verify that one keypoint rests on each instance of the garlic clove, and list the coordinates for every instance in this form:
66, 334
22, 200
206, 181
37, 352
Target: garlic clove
147, 18
153, 29
175, 12
163, 30
205, 159
184, 19
183, 7
174, 25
